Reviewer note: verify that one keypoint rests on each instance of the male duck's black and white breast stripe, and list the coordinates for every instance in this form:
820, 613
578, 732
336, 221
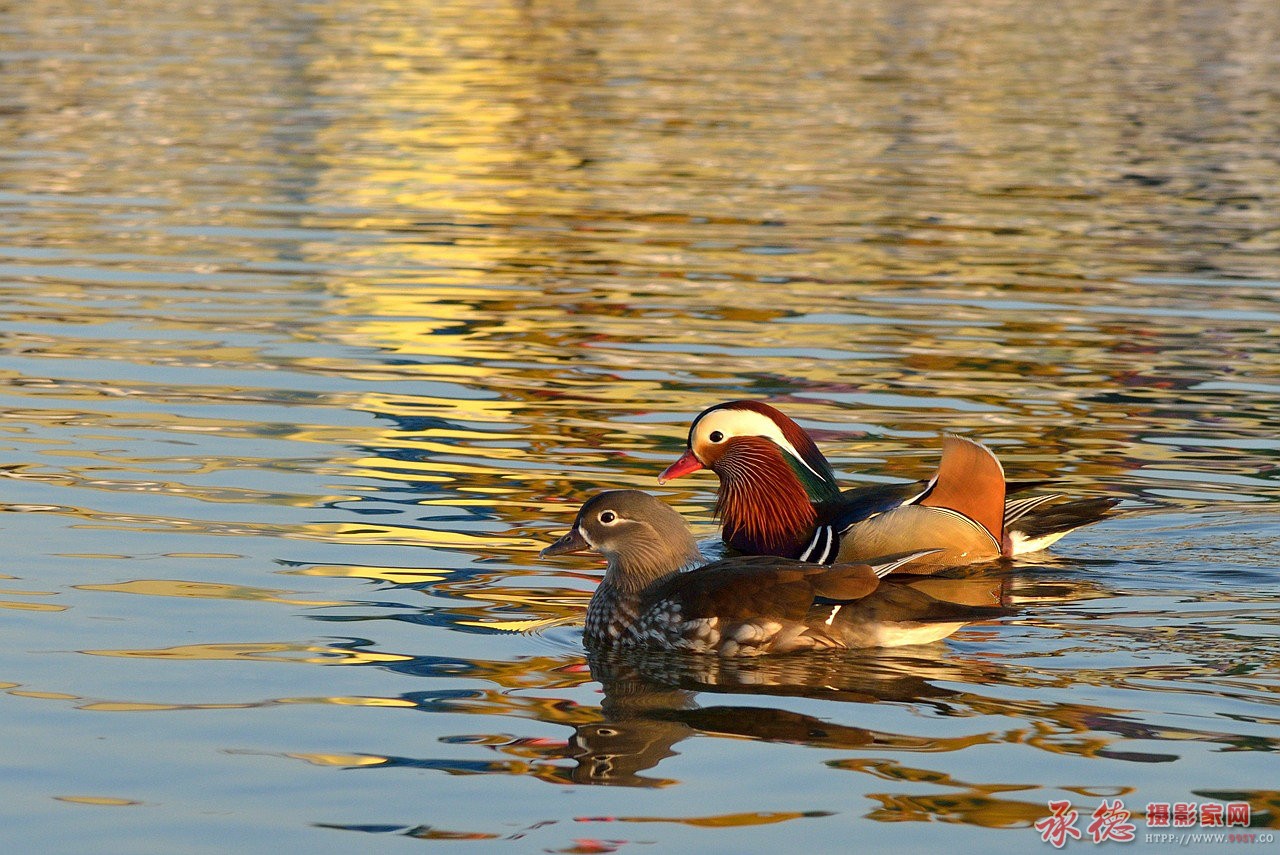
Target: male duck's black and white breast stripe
823, 547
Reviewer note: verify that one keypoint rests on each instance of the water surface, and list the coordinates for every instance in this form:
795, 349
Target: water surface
320, 319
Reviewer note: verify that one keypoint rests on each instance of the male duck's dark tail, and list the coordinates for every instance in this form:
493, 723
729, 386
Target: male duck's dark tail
1031, 525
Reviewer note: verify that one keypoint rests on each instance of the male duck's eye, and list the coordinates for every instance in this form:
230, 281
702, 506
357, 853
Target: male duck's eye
716, 436
608, 517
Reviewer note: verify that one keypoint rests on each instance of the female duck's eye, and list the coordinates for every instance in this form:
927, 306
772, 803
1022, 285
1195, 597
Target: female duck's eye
716, 436
608, 517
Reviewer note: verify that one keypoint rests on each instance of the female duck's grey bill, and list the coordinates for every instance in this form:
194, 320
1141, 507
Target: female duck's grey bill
573, 541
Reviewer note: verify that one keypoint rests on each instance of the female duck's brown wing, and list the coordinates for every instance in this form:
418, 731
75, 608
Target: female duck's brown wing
777, 589
751, 606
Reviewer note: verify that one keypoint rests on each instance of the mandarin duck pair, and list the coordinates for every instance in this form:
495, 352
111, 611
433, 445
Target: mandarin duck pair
810, 557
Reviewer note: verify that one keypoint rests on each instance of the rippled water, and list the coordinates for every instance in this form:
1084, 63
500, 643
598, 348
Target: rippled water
320, 319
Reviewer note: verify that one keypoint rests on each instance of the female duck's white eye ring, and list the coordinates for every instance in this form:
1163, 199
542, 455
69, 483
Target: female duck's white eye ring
608, 517
716, 436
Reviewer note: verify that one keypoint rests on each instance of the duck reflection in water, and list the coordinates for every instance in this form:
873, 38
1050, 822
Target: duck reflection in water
651, 703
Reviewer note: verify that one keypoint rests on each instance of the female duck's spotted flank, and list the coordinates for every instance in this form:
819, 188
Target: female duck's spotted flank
657, 592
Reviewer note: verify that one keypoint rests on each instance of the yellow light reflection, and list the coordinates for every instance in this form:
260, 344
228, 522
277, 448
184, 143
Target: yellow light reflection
400, 535
102, 801
728, 820
352, 701
204, 590
263, 652
397, 575
515, 625
31, 607
341, 760
139, 706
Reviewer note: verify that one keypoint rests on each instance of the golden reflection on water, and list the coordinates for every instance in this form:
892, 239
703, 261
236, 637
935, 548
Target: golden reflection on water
650, 703
266, 652
203, 590
725, 820
33, 607
27, 605
99, 801
344, 760
394, 575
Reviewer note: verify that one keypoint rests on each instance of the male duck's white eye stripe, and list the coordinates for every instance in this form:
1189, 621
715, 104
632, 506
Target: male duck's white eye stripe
749, 423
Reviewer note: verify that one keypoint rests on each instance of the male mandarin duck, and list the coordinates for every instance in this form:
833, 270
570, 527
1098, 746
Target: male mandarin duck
779, 496
657, 593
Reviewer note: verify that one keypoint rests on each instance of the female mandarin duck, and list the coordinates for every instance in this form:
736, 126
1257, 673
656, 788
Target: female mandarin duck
779, 496
655, 594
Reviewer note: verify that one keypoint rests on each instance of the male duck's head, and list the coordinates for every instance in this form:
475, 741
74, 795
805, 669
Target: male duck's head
751, 442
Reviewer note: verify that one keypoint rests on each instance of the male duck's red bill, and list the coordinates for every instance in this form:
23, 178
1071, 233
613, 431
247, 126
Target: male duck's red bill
687, 463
